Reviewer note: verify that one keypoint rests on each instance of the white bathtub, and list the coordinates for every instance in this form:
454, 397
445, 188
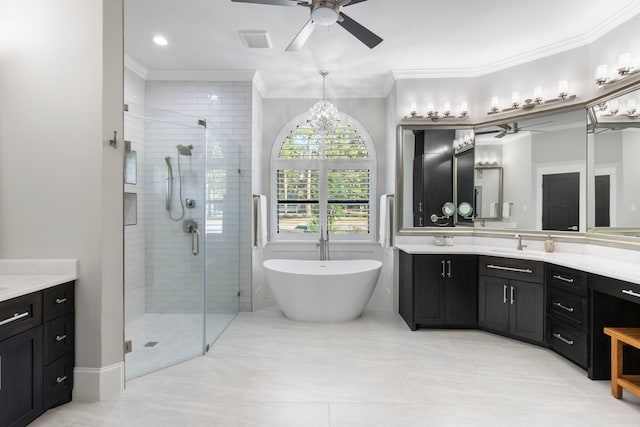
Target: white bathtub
322, 291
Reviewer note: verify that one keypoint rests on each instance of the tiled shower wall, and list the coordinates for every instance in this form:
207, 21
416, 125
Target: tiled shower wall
226, 106
134, 235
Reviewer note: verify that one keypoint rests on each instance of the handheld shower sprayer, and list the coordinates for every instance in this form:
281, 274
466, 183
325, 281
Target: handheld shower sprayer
169, 194
184, 150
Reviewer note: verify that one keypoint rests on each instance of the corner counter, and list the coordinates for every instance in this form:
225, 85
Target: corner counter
615, 263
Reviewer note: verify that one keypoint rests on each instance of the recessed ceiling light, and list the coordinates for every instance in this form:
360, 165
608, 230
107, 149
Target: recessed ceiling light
160, 41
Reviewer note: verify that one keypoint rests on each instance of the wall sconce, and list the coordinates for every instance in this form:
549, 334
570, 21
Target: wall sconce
434, 115
624, 70
563, 95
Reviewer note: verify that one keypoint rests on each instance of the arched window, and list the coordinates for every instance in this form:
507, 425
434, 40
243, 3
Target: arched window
323, 181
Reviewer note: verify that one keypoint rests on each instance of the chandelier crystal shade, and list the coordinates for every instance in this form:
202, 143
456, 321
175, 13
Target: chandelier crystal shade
323, 116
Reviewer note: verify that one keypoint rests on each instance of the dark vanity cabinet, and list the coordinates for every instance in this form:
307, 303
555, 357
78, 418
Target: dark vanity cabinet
567, 313
511, 293
432, 176
36, 353
613, 303
438, 290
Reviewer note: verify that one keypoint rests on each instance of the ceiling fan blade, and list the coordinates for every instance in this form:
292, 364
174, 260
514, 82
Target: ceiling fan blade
360, 32
501, 134
354, 2
301, 37
536, 124
271, 2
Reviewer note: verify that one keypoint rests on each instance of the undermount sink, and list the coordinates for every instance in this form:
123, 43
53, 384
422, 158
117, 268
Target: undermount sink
517, 252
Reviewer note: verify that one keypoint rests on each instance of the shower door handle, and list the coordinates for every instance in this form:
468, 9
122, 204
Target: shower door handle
195, 242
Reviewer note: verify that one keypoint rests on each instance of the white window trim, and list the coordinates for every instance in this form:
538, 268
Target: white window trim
277, 163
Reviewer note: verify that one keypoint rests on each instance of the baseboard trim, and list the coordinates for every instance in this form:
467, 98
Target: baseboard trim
92, 384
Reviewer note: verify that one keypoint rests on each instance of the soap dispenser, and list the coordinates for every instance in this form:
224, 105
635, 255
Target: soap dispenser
549, 244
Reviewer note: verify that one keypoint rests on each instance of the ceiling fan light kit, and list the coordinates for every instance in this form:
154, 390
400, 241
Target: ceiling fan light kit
324, 12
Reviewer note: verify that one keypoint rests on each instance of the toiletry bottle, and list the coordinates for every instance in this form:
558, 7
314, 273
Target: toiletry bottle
549, 244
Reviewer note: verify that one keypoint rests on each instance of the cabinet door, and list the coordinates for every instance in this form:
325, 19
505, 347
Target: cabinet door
526, 310
493, 306
428, 282
21, 378
461, 291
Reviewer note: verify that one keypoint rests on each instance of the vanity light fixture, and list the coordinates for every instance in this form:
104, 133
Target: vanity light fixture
563, 95
463, 143
434, 115
624, 69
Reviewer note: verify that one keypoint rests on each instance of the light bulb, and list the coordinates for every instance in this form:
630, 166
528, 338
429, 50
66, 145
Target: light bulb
563, 88
464, 107
601, 74
624, 63
515, 98
414, 106
495, 102
537, 93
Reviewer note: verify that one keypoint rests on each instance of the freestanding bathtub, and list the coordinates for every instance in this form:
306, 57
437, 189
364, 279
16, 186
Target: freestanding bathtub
322, 291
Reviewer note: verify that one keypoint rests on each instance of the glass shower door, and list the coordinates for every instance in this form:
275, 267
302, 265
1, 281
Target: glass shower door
223, 180
165, 249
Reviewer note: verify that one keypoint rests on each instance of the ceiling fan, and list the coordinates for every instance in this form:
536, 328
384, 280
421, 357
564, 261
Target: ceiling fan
511, 128
324, 12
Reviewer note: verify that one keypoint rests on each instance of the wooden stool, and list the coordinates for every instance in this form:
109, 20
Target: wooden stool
619, 337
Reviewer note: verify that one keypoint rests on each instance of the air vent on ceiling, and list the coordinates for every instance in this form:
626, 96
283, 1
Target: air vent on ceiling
255, 39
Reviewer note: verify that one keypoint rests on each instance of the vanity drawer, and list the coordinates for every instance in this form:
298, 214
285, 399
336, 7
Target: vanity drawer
569, 307
510, 268
570, 342
617, 288
58, 338
58, 382
20, 314
58, 301
568, 279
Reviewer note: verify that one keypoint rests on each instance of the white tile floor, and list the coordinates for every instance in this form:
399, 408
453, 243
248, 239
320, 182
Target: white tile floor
266, 370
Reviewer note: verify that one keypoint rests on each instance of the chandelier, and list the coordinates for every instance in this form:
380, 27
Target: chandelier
323, 115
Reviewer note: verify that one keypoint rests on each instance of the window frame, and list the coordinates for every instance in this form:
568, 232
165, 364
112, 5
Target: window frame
323, 166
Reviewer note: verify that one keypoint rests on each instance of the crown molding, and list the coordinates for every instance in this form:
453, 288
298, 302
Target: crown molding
614, 21
258, 84
135, 66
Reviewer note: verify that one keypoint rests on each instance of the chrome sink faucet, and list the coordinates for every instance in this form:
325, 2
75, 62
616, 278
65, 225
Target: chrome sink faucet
520, 246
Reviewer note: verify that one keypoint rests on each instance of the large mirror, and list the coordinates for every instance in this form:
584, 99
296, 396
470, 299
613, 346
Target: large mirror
614, 171
528, 174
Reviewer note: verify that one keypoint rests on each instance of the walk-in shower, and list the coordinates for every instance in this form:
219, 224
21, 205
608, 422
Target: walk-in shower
184, 150
181, 287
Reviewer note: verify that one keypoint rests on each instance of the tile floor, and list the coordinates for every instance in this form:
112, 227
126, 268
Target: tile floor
179, 337
266, 370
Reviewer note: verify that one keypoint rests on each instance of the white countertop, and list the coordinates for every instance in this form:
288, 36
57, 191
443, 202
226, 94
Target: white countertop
609, 262
23, 276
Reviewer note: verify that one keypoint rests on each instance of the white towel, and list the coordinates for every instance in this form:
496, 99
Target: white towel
506, 210
493, 210
386, 203
260, 221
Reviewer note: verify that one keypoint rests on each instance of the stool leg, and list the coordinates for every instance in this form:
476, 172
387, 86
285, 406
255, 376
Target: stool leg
616, 367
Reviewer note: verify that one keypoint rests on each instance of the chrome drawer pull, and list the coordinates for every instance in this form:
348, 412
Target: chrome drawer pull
563, 339
60, 380
630, 292
61, 338
61, 300
18, 317
519, 270
564, 279
564, 307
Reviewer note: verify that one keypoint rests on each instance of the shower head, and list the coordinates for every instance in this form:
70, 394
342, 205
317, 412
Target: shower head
185, 150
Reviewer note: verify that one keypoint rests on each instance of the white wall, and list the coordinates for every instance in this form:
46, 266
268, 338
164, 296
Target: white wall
61, 183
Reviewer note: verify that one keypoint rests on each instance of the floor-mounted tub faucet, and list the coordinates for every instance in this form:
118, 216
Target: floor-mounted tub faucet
520, 246
324, 245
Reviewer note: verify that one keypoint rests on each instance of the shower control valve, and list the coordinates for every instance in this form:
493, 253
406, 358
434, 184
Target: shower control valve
190, 203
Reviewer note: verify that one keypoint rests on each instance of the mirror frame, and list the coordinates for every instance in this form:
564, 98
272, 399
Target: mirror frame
612, 240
